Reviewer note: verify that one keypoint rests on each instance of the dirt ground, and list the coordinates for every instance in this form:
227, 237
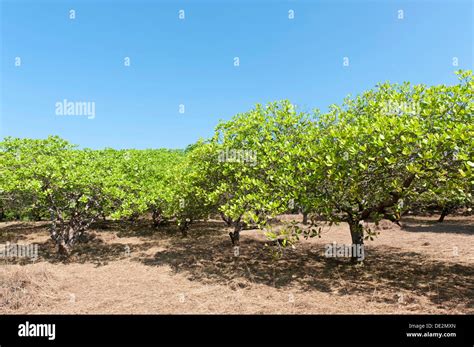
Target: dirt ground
422, 267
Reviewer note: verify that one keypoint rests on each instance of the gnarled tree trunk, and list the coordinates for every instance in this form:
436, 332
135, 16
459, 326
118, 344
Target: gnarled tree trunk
157, 217
227, 220
444, 212
65, 239
184, 226
64, 249
235, 235
357, 236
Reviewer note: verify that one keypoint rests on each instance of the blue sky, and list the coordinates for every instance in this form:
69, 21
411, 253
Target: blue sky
191, 61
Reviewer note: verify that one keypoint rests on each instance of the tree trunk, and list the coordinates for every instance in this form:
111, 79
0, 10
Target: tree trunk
133, 219
227, 220
305, 218
235, 236
65, 236
64, 249
357, 236
157, 218
183, 227
444, 213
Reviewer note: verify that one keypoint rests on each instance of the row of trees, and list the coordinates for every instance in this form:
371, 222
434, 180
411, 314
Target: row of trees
51, 179
377, 155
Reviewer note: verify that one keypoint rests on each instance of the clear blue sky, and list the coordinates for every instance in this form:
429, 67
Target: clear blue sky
190, 61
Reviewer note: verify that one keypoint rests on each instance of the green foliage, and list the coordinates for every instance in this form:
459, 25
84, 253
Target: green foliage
369, 156
259, 181
375, 156
76, 186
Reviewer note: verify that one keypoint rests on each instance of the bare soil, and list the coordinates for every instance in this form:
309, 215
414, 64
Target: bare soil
421, 267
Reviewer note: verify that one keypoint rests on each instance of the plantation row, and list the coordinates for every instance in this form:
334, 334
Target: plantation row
378, 155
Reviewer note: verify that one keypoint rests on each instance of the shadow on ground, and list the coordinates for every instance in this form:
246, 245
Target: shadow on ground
19, 231
449, 226
206, 255
93, 249
385, 269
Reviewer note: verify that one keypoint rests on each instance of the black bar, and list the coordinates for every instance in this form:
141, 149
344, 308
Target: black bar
256, 329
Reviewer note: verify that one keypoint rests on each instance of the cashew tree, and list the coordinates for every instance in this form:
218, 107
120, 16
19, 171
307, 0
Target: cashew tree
380, 147
68, 182
255, 164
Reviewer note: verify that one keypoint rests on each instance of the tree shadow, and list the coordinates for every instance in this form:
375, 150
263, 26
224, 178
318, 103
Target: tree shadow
92, 249
386, 269
144, 228
19, 231
96, 252
206, 255
449, 226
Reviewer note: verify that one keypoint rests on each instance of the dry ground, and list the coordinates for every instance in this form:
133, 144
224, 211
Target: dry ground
423, 267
